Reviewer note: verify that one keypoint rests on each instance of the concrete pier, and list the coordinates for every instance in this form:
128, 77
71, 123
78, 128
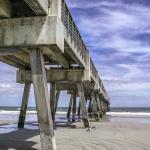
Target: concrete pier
41, 40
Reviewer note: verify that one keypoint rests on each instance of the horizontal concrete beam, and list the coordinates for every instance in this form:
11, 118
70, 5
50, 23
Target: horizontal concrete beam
39, 7
32, 32
66, 87
5, 9
73, 86
53, 75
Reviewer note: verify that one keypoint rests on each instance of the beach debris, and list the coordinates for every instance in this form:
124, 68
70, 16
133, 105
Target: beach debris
89, 129
94, 127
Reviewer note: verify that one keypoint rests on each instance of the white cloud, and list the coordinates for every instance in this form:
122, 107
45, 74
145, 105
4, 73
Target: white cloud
107, 31
3, 85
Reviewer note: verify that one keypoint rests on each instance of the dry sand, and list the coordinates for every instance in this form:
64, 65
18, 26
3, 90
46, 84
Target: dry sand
106, 136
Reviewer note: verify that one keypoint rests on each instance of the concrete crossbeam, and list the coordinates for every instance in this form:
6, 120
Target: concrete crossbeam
53, 75
88, 86
32, 32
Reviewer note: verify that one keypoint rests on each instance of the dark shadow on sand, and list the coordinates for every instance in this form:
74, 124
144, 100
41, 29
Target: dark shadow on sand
18, 139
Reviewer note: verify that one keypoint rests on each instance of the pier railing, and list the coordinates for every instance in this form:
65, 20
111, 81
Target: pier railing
93, 69
73, 31
76, 38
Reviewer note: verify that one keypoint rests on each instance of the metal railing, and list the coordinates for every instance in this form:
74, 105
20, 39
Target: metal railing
73, 31
93, 69
104, 90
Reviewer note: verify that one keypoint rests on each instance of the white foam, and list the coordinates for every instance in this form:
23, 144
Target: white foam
61, 113
29, 112
128, 114
16, 112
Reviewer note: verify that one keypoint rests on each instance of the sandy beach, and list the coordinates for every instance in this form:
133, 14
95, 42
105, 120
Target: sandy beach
106, 135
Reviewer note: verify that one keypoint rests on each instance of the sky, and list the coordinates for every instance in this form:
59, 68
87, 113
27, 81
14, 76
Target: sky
117, 34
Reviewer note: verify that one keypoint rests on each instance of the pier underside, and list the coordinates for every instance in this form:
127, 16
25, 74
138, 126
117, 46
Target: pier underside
40, 38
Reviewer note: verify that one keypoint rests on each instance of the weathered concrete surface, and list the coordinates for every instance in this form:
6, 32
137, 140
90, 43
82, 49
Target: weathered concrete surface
53, 100
72, 50
70, 107
55, 8
53, 75
73, 86
32, 32
83, 105
24, 106
74, 107
42, 101
5, 9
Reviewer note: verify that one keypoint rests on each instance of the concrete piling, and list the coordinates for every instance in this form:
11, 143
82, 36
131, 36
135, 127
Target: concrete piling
42, 101
24, 105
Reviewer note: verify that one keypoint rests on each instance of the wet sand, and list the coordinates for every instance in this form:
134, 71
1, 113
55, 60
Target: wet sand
106, 135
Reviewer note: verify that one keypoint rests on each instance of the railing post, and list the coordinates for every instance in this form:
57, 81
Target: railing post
55, 8
68, 28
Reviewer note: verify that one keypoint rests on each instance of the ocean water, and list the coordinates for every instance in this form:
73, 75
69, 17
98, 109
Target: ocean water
134, 115
11, 114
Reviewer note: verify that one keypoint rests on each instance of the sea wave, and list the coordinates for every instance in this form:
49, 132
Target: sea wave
16, 112
138, 114
129, 114
28, 112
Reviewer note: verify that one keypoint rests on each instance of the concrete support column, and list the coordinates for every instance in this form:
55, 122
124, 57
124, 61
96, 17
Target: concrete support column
90, 108
70, 107
106, 106
95, 107
57, 99
102, 106
24, 105
74, 107
99, 105
83, 105
53, 100
42, 101
79, 109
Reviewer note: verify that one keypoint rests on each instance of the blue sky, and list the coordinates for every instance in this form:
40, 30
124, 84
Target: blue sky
117, 33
